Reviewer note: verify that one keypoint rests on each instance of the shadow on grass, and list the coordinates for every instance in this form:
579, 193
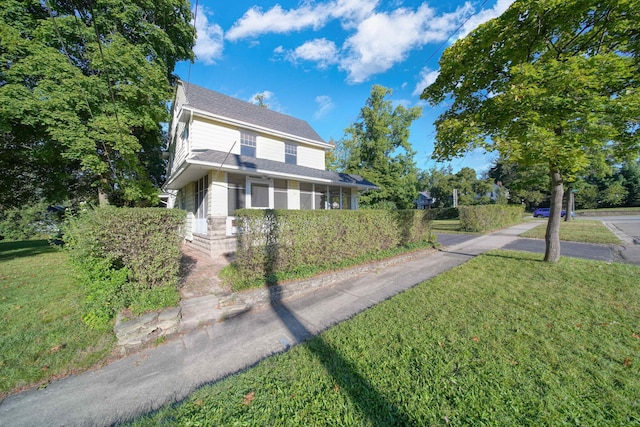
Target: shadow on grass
24, 248
371, 403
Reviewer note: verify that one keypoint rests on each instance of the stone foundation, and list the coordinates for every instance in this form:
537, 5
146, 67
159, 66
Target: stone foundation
216, 243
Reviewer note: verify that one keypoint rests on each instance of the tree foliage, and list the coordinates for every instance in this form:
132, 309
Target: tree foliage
526, 184
440, 183
549, 82
84, 87
377, 147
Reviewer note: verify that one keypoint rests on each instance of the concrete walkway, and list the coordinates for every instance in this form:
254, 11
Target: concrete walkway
156, 376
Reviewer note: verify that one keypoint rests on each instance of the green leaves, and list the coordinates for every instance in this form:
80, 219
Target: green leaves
91, 83
377, 147
549, 82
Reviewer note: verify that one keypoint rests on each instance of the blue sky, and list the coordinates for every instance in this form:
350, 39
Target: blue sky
317, 60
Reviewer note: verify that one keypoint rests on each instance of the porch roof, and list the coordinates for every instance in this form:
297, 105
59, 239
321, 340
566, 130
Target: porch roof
196, 166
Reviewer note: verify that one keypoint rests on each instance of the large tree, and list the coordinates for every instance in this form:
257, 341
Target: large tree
377, 147
84, 87
526, 184
550, 82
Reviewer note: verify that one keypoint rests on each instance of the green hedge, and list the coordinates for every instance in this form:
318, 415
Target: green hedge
127, 258
271, 242
480, 218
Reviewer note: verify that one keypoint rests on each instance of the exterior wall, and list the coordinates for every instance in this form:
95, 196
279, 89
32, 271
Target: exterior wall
310, 157
205, 134
293, 195
269, 148
181, 150
209, 135
218, 195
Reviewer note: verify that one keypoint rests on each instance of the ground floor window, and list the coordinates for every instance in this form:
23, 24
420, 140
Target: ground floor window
260, 195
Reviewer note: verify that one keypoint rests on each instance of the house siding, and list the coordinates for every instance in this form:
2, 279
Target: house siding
293, 195
218, 199
310, 157
181, 148
209, 135
269, 148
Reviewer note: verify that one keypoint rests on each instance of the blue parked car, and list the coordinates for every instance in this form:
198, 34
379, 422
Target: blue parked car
545, 212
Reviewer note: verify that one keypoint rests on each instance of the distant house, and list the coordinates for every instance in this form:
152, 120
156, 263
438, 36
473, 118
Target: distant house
225, 154
425, 201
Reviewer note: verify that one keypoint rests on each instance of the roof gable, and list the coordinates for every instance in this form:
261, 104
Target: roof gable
226, 106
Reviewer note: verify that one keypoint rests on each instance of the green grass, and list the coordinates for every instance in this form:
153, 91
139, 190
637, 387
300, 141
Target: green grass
504, 339
238, 281
607, 211
41, 333
446, 226
578, 231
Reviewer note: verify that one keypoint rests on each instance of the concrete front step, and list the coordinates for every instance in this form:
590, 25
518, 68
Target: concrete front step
210, 308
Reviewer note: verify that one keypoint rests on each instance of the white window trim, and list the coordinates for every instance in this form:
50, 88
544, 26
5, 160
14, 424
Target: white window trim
260, 181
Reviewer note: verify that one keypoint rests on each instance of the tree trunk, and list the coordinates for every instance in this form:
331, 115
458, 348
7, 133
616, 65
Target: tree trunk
552, 236
103, 197
569, 207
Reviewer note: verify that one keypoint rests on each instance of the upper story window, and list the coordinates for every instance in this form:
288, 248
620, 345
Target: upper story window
247, 144
291, 154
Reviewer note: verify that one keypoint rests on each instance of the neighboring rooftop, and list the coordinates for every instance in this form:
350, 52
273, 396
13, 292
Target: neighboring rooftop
226, 106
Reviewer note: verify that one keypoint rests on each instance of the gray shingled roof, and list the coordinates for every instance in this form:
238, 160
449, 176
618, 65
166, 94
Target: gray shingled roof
245, 163
222, 105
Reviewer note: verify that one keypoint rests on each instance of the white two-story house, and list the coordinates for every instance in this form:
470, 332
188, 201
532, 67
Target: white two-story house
226, 154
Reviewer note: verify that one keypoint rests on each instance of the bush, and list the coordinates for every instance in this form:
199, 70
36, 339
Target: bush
444, 213
480, 218
127, 258
29, 222
275, 241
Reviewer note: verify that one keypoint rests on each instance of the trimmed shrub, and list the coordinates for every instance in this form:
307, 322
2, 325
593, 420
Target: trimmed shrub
127, 258
444, 213
480, 218
275, 241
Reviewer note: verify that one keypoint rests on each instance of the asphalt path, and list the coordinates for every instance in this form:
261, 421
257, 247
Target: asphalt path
568, 249
626, 227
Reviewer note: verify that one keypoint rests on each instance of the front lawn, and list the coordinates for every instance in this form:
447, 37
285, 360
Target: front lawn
584, 231
504, 339
41, 331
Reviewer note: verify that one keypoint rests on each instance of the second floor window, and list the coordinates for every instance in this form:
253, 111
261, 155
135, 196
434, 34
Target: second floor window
247, 144
290, 154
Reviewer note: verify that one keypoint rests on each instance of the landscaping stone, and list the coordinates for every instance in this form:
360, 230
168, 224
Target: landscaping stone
140, 330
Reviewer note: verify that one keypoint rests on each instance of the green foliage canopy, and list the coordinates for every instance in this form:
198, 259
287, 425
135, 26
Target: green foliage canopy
549, 82
83, 89
377, 147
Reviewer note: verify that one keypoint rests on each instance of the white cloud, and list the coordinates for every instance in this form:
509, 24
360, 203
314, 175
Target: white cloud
376, 40
427, 77
276, 20
322, 51
269, 99
210, 41
384, 39
325, 104
256, 22
484, 16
